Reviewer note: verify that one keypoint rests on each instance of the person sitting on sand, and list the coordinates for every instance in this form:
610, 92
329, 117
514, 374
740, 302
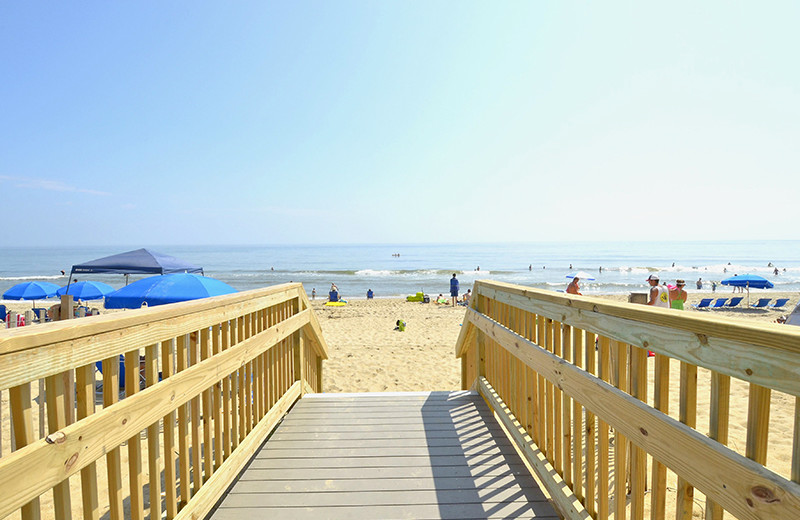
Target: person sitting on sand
370, 294
677, 296
573, 287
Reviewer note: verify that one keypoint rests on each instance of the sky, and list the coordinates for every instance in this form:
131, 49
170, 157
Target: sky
308, 122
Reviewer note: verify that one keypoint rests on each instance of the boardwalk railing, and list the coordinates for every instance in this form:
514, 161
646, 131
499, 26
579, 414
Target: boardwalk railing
583, 386
205, 382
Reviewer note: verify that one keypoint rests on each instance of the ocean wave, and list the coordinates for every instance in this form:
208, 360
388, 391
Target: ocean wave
23, 278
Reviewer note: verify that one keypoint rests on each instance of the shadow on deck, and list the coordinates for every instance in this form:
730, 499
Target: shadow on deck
388, 455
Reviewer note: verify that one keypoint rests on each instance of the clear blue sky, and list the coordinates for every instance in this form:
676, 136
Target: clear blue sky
386, 121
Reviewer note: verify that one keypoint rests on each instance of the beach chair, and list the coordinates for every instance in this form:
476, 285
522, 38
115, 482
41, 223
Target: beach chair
734, 302
719, 303
704, 303
761, 303
779, 303
3, 312
41, 314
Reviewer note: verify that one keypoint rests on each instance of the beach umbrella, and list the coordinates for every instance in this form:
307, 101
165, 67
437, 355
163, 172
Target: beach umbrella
31, 291
167, 288
86, 290
583, 275
748, 281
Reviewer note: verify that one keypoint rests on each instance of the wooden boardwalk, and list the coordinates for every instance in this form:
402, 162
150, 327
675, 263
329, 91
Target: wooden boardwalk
392, 455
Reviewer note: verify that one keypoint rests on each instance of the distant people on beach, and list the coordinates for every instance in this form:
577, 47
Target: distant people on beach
370, 294
677, 296
478, 268
313, 293
570, 266
467, 296
573, 287
530, 267
713, 286
699, 284
776, 271
63, 273
659, 295
454, 289
334, 293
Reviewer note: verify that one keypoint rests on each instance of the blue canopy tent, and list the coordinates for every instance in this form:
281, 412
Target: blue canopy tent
139, 261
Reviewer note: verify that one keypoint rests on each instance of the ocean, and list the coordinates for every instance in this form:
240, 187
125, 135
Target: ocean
398, 270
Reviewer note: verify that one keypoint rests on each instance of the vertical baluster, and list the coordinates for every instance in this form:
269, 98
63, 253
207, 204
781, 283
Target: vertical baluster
577, 422
184, 456
216, 348
658, 498
549, 396
194, 407
603, 369
620, 442
113, 459
136, 479
758, 423
170, 478
591, 430
242, 385
226, 394
558, 433
57, 418
638, 455
153, 447
85, 401
718, 426
22, 418
567, 410
208, 413
688, 416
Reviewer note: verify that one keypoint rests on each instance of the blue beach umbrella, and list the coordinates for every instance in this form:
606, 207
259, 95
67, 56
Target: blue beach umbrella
86, 290
31, 291
167, 288
583, 275
748, 281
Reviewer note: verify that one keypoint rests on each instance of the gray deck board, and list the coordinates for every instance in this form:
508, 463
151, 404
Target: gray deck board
420, 455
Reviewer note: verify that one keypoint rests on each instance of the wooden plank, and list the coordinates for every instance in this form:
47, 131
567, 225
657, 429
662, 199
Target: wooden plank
718, 426
392, 512
184, 460
113, 458
135, 476
56, 420
153, 441
22, 418
638, 455
432, 482
170, 459
85, 389
376, 473
740, 485
688, 416
658, 501
385, 451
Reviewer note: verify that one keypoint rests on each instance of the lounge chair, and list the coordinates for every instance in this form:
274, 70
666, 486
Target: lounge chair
761, 303
41, 314
734, 302
704, 303
779, 303
719, 303
3, 312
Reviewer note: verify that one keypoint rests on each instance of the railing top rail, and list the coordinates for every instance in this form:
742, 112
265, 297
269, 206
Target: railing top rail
771, 335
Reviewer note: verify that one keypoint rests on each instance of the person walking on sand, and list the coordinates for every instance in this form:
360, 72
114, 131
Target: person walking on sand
454, 289
573, 287
677, 296
659, 295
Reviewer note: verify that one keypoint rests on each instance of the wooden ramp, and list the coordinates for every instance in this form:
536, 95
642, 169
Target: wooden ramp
386, 455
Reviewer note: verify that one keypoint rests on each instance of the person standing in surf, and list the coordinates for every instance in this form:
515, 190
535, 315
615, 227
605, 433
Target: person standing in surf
454, 289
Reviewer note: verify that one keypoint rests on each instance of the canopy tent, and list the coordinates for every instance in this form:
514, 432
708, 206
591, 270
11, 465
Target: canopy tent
139, 261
